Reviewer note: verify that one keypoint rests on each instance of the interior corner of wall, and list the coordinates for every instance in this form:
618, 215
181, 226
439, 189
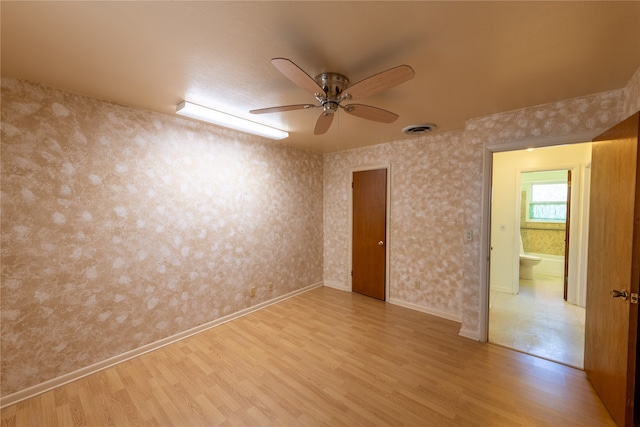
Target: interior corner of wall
335, 285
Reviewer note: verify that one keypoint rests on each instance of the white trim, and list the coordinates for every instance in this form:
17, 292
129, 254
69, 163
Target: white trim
467, 333
92, 369
485, 250
504, 289
517, 236
581, 290
337, 285
387, 166
485, 240
545, 142
439, 313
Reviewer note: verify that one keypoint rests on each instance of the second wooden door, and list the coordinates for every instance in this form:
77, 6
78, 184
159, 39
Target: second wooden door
369, 233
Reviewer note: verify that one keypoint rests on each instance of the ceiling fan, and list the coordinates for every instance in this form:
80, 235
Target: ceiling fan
330, 89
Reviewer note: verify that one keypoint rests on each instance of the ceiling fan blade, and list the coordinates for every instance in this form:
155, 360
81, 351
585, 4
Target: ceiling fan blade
323, 123
297, 75
379, 82
282, 108
371, 113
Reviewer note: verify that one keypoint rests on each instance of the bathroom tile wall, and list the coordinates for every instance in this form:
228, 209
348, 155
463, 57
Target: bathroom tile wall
543, 240
540, 237
121, 227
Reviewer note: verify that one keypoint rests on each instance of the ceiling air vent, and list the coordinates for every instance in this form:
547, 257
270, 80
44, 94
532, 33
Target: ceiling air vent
419, 129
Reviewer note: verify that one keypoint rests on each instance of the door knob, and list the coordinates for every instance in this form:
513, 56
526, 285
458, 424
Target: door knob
619, 294
380, 243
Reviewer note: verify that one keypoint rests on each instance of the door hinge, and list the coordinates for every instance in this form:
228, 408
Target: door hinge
351, 273
634, 298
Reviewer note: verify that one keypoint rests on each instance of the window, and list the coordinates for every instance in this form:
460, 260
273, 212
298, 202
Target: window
548, 202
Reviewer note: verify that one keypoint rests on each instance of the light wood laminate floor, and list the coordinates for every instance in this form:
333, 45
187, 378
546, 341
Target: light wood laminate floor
325, 357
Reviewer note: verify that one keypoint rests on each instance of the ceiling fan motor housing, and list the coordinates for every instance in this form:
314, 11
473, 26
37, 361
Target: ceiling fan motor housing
333, 84
330, 89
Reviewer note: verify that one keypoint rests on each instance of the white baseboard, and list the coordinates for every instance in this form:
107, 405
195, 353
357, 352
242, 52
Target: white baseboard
92, 369
427, 310
473, 335
505, 289
336, 285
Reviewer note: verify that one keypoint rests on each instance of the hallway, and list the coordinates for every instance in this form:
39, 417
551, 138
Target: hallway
538, 321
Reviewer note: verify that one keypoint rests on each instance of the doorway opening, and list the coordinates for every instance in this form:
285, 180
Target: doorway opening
538, 238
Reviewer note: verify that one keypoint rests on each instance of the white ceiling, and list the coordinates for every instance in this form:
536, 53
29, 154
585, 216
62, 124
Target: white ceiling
471, 58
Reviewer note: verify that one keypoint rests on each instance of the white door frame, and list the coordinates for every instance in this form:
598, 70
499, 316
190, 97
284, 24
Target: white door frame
386, 166
485, 234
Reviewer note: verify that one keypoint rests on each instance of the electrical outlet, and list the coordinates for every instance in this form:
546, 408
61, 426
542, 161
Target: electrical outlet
468, 236
252, 292
270, 286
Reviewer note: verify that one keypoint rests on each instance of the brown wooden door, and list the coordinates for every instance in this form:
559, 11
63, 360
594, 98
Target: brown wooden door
369, 232
613, 263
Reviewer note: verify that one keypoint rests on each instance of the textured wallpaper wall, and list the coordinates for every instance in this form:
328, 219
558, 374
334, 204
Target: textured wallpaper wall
436, 194
592, 113
631, 96
121, 227
425, 224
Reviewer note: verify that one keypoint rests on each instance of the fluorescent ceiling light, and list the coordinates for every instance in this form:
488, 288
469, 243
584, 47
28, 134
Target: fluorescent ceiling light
219, 118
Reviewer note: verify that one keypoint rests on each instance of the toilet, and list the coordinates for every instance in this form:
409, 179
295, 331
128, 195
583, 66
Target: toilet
526, 263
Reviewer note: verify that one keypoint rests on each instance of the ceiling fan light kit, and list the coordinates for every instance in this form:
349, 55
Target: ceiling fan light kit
330, 89
209, 115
